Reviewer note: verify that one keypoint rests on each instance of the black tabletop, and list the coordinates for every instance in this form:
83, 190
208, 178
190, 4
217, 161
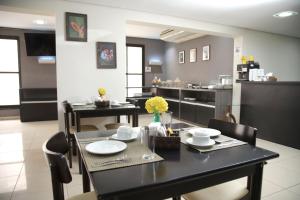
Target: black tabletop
94, 108
177, 165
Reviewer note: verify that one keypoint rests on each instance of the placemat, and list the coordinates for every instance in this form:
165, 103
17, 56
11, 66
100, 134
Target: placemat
222, 142
132, 155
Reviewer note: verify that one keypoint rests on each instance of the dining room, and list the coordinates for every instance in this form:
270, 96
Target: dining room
103, 100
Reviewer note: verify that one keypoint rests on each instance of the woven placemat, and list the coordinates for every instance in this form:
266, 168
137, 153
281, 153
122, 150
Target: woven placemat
222, 142
133, 155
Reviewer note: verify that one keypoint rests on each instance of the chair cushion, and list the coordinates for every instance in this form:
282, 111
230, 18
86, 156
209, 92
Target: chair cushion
84, 128
84, 196
115, 125
233, 190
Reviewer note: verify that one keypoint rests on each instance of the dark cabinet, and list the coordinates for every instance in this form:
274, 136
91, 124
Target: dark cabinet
174, 108
203, 114
188, 112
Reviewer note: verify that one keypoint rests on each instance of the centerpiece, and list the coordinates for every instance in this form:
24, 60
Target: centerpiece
156, 105
159, 138
102, 100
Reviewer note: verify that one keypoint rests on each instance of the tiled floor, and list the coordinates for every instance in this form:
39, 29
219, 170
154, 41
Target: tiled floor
24, 173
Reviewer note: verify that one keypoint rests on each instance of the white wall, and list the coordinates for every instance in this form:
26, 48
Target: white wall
78, 78
275, 53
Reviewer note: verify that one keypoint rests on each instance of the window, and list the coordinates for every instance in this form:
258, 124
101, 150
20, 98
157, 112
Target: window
9, 71
135, 69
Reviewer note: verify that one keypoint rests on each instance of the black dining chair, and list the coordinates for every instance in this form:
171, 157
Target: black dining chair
229, 190
54, 149
70, 129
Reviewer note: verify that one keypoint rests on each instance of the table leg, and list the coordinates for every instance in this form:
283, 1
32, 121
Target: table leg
79, 161
77, 122
176, 198
118, 119
85, 179
256, 182
128, 119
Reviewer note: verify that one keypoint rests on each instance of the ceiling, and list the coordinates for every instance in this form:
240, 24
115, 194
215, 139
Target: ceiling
251, 14
25, 21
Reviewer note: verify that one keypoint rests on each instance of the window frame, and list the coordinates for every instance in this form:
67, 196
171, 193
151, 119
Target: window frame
143, 66
10, 37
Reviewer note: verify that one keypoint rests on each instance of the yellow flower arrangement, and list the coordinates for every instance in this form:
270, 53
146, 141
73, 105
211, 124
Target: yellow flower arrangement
101, 91
156, 105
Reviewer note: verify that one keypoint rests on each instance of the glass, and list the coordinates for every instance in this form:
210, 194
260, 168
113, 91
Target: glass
166, 119
147, 139
9, 55
134, 60
134, 80
9, 89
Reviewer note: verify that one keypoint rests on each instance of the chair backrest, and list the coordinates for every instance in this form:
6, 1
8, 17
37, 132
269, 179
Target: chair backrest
67, 108
54, 149
237, 131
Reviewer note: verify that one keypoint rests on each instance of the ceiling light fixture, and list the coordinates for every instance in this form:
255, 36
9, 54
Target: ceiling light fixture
285, 14
39, 22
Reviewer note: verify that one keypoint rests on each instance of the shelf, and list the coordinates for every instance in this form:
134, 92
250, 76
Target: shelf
197, 103
171, 99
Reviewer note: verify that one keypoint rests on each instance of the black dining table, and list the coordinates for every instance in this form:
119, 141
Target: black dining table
182, 171
87, 111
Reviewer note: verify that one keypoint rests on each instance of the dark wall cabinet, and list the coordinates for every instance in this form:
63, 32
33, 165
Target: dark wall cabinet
273, 108
174, 107
38, 104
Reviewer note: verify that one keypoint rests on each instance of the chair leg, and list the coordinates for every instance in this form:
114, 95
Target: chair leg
74, 147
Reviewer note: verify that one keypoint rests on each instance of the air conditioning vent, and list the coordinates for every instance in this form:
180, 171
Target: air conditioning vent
177, 36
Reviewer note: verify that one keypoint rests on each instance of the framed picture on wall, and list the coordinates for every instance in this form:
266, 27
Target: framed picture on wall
193, 55
181, 57
106, 55
76, 27
205, 53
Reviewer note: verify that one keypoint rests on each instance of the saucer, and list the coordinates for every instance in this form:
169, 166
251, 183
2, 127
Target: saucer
209, 144
133, 137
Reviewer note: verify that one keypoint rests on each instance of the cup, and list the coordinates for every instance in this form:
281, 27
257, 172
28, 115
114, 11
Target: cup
124, 132
201, 138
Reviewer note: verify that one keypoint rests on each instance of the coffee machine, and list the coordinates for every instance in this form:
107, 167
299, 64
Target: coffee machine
244, 70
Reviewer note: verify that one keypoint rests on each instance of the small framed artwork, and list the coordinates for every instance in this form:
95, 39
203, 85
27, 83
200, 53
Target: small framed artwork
205, 53
193, 55
181, 57
76, 27
147, 69
106, 55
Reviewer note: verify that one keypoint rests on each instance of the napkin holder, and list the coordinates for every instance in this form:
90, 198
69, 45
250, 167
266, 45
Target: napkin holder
165, 143
102, 104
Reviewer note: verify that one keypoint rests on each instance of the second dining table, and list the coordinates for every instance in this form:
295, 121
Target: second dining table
85, 111
180, 172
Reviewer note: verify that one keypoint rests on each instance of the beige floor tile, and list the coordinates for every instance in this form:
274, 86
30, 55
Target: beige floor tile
269, 188
11, 157
10, 170
7, 185
283, 195
281, 176
295, 189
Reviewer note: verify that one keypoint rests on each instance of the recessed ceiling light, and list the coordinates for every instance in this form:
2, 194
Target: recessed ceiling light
39, 22
285, 14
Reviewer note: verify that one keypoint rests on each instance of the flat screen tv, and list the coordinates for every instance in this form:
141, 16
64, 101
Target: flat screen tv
40, 44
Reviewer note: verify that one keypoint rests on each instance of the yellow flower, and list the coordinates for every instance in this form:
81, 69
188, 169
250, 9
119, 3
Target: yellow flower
156, 105
101, 91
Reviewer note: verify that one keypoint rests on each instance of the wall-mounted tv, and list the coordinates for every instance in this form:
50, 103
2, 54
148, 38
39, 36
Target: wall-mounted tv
40, 44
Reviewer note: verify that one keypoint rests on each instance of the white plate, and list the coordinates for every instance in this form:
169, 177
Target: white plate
209, 144
124, 103
106, 147
211, 132
133, 137
79, 104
